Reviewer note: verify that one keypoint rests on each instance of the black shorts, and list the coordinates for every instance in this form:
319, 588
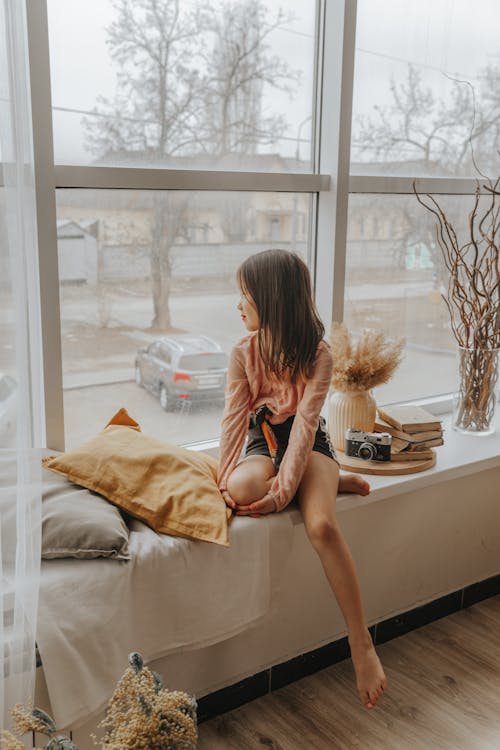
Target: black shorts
257, 445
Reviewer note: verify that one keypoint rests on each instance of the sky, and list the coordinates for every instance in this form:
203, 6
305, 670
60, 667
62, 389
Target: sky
456, 36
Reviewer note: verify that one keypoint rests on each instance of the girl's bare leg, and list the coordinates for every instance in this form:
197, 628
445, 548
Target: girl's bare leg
251, 479
316, 496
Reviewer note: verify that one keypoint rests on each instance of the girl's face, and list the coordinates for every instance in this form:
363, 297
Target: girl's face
248, 312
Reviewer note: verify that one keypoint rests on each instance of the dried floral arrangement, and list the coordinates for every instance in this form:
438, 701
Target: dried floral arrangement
473, 299
473, 292
141, 714
363, 365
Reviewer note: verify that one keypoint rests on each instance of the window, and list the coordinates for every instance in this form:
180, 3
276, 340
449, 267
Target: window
420, 99
426, 79
163, 189
394, 284
140, 279
233, 86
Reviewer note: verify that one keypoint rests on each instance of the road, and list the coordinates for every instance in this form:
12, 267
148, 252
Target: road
92, 397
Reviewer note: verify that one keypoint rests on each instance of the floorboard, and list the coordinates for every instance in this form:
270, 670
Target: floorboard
443, 694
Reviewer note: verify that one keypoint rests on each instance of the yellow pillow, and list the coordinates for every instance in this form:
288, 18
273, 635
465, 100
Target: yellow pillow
172, 489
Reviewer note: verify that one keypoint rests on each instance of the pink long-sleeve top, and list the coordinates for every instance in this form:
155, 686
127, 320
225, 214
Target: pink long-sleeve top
248, 387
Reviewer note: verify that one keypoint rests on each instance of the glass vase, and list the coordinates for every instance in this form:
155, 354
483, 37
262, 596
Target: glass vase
355, 409
474, 404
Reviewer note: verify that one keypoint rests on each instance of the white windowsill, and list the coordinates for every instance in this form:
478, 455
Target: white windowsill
460, 456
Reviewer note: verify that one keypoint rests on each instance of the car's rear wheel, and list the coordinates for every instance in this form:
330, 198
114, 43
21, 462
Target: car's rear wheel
165, 400
138, 375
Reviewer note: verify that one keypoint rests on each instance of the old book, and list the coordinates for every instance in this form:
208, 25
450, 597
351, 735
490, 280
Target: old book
409, 419
423, 446
416, 447
412, 455
398, 445
417, 437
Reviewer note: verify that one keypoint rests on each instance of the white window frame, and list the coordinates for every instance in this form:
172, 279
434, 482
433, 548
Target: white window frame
330, 183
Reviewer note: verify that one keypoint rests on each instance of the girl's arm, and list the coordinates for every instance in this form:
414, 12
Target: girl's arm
234, 426
303, 430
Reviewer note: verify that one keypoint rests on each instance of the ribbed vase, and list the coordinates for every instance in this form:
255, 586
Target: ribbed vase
356, 409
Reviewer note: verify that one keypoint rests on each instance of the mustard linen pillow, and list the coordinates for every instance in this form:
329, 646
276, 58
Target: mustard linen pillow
171, 489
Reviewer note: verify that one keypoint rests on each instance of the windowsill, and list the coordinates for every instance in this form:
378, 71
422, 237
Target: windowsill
460, 456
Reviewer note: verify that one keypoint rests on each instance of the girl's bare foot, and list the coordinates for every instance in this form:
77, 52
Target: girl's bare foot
353, 483
370, 676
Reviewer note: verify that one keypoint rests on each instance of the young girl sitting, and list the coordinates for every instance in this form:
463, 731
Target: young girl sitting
279, 376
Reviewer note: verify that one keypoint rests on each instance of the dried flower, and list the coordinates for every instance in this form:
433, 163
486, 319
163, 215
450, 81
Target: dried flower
8, 741
366, 364
141, 715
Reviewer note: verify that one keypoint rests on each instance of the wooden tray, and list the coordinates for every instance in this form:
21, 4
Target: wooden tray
386, 468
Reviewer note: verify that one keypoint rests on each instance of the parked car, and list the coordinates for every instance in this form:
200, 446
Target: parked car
8, 410
184, 367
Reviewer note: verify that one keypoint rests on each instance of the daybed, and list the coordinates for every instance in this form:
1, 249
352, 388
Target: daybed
206, 616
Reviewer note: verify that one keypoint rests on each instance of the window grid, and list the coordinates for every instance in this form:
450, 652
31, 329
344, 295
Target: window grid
330, 185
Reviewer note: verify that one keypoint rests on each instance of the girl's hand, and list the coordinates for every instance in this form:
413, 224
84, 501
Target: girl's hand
228, 499
265, 505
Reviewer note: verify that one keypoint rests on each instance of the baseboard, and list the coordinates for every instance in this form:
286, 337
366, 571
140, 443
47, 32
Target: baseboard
283, 674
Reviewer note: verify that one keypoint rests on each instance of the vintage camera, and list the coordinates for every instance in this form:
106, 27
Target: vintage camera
370, 446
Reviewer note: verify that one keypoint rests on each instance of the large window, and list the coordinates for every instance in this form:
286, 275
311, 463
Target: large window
172, 84
139, 267
425, 105
427, 79
227, 89
186, 136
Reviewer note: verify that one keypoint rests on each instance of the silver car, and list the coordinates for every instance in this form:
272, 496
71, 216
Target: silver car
182, 368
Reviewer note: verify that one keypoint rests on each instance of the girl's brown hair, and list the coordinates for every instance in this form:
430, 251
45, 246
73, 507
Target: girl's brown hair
289, 325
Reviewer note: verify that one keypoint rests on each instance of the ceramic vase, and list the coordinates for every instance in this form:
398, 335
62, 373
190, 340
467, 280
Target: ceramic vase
356, 409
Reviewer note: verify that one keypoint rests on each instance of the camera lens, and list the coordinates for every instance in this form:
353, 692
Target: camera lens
366, 451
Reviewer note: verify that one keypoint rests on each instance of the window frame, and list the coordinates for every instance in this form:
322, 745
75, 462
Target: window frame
330, 183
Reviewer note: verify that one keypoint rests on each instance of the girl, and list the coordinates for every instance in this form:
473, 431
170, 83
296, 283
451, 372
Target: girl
280, 374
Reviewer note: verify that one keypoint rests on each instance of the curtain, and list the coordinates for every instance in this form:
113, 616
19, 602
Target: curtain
21, 410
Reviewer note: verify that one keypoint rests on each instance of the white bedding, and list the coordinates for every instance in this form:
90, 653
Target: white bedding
174, 594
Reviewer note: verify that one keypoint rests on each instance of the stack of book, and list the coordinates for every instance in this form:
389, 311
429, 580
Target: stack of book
414, 431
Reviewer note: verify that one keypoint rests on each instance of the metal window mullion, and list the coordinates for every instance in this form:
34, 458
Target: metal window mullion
404, 185
41, 112
137, 178
339, 33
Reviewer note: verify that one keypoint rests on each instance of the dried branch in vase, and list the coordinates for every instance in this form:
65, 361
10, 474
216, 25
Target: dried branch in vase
363, 365
473, 301
473, 293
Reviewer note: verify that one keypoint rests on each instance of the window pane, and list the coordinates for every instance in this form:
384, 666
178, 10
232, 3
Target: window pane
409, 117
226, 87
136, 267
394, 279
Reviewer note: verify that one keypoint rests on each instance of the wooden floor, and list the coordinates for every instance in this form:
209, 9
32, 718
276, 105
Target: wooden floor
443, 694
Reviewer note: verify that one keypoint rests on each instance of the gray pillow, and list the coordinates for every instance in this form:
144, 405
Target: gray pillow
79, 523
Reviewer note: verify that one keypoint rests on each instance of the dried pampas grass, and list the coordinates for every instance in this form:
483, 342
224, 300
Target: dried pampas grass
141, 715
363, 365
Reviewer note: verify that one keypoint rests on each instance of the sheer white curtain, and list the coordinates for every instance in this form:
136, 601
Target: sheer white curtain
21, 415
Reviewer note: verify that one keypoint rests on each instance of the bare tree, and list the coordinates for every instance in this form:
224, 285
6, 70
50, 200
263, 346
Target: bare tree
425, 135
190, 84
416, 126
153, 112
240, 62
